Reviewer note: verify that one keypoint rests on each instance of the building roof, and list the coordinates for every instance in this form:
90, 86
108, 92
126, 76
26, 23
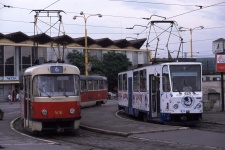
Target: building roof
42, 38
17, 37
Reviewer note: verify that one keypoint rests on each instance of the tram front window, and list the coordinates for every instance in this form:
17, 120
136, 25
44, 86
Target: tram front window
185, 78
56, 85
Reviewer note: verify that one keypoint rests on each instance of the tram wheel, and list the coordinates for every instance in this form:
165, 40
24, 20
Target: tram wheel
98, 103
145, 118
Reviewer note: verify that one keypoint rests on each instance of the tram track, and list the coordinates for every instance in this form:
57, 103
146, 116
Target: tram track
211, 126
203, 125
83, 139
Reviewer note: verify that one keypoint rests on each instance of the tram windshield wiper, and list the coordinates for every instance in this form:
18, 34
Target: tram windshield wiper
42, 91
178, 89
191, 89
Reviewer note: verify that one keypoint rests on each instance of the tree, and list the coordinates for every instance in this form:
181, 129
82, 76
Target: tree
76, 58
112, 64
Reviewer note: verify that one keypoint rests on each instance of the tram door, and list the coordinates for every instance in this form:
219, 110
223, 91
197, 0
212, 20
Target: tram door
27, 101
130, 95
153, 96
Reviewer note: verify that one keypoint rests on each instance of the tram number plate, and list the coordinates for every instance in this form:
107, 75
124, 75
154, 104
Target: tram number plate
58, 112
187, 93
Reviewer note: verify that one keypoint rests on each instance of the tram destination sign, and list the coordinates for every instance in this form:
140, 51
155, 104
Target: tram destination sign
56, 69
220, 62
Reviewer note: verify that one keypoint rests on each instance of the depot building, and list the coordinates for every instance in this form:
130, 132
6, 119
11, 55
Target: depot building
19, 51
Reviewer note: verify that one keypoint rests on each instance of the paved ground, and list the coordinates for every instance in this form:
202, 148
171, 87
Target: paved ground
103, 119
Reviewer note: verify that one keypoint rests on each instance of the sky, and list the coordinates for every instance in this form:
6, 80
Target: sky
118, 15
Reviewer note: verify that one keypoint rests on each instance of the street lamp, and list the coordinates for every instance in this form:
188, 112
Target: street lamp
85, 32
191, 30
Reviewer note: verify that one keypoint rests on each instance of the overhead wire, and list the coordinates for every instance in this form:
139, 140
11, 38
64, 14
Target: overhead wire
51, 4
153, 3
203, 7
125, 16
196, 10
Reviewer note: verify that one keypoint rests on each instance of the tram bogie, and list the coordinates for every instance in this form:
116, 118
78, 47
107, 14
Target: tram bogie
51, 98
162, 92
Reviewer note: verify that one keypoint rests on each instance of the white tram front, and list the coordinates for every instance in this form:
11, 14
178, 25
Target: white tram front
51, 97
166, 91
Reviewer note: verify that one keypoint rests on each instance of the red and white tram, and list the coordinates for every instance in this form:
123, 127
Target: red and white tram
94, 90
51, 97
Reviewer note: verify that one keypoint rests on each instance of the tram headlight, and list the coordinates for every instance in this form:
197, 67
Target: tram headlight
44, 112
175, 106
72, 111
199, 105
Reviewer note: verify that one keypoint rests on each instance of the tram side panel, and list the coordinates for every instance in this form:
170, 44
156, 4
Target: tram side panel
94, 90
160, 99
91, 98
133, 95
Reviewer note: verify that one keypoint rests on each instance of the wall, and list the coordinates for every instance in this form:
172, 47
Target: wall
211, 89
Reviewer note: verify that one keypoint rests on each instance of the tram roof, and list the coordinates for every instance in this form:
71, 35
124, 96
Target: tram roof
162, 63
29, 70
93, 77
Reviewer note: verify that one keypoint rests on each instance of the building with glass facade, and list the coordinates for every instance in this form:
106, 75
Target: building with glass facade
19, 51
13, 61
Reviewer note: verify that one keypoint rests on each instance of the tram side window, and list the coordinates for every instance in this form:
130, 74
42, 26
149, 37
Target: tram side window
83, 85
136, 81
143, 81
120, 80
124, 82
101, 84
165, 79
95, 84
90, 85
105, 85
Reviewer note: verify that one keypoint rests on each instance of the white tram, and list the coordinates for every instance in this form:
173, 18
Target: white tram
166, 91
51, 98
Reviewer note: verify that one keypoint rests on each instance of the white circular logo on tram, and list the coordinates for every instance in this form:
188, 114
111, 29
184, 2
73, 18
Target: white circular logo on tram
187, 101
56, 69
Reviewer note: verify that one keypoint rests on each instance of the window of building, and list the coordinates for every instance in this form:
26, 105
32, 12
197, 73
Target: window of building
1, 55
1, 69
213, 96
135, 58
1, 61
26, 55
9, 60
